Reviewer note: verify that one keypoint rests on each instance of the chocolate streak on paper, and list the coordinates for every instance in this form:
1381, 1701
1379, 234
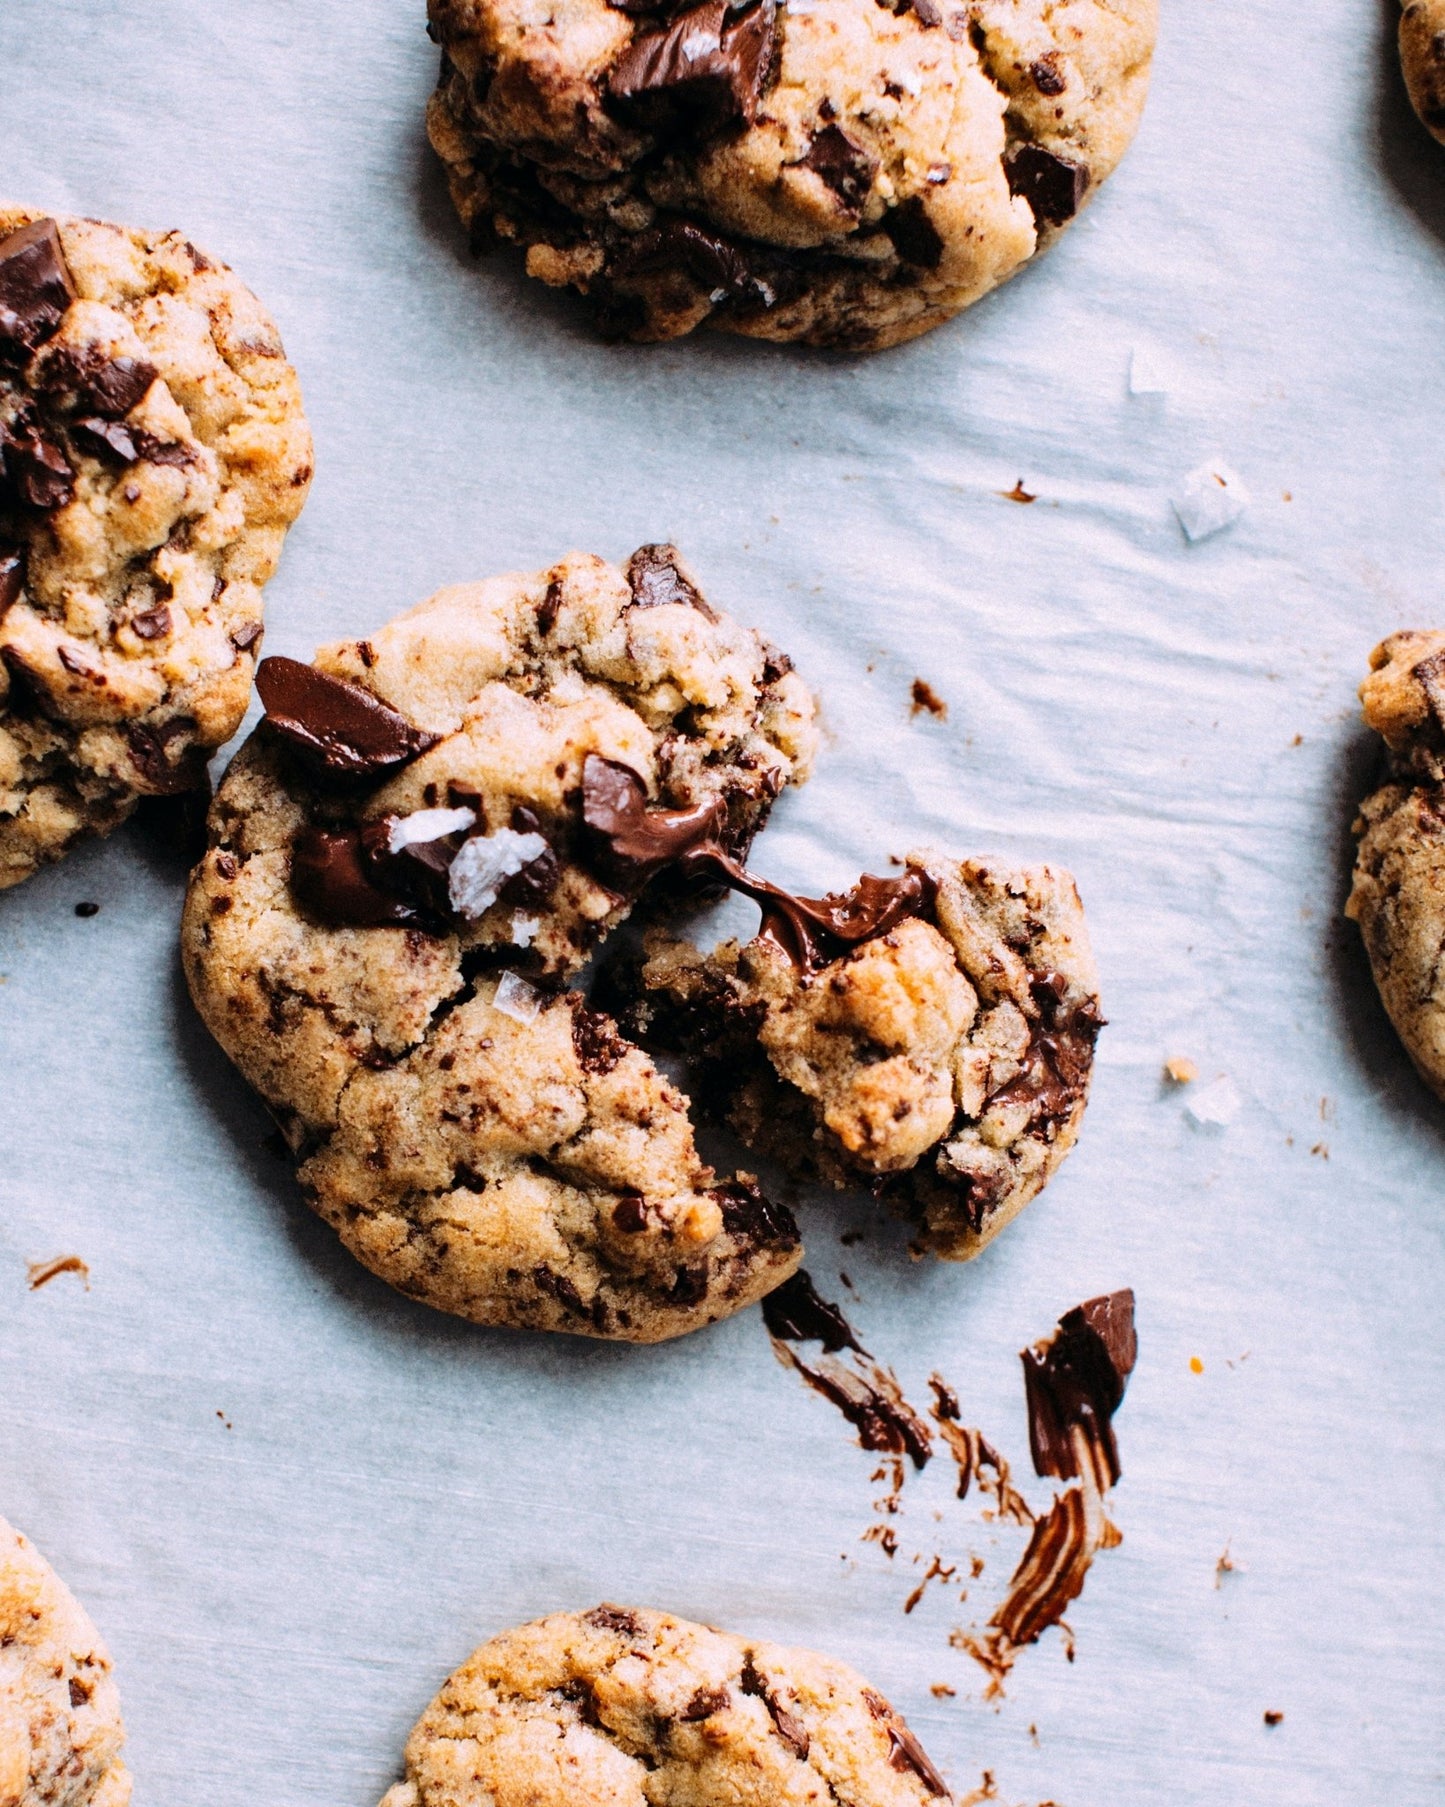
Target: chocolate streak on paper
976, 1458
796, 1313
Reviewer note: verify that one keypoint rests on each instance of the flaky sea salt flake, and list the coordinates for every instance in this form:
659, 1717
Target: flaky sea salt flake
1212, 498
1214, 1105
424, 825
484, 864
515, 998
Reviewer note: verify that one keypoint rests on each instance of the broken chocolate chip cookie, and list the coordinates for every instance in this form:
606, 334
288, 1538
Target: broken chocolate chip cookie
621, 1704
1422, 57
60, 1725
839, 172
153, 452
425, 839
930, 1035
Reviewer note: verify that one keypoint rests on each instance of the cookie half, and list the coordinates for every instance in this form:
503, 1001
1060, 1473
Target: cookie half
840, 172
622, 1707
931, 1036
1422, 56
1398, 894
427, 836
153, 452
60, 1724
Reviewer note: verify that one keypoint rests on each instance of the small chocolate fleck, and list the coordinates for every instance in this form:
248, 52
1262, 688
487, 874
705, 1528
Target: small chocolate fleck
1047, 76
798, 1314
348, 728
1273, 1717
844, 166
12, 578
79, 1692
1053, 186
597, 1044
703, 71
925, 697
35, 287
87, 909
77, 666
704, 1703
548, 609
655, 579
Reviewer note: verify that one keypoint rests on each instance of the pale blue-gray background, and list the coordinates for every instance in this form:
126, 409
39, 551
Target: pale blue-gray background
1176, 723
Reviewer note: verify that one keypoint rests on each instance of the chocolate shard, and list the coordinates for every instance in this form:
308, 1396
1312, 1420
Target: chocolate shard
637, 838
677, 244
36, 467
1074, 1382
750, 1217
845, 167
1053, 186
107, 438
905, 1752
703, 71
35, 288
347, 728
12, 578
86, 377
331, 877
872, 1401
655, 576
797, 1313
915, 237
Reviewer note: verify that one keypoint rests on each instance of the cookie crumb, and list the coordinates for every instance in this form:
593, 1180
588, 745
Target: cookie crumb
87, 909
41, 1273
1272, 1717
942, 1691
925, 697
1180, 1070
1195, 1365
1018, 494
1225, 1566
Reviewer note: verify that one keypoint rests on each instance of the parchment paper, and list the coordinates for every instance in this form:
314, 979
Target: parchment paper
292, 1500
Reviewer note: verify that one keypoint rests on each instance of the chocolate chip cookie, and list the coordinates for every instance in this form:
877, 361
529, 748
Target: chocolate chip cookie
60, 1726
621, 1707
430, 832
1398, 895
930, 1035
840, 172
153, 453
1422, 55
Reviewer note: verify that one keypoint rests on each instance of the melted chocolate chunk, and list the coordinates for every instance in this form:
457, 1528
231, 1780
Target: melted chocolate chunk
677, 244
704, 1703
347, 728
12, 578
35, 288
689, 1286
915, 237
637, 838
1055, 1072
796, 1313
1076, 1381
872, 1402
846, 167
163, 776
655, 580
87, 378
37, 468
907, 1753
331, 877
750, 1217
539, 878
1053, 186
1051, 1571
812, 931
703, 71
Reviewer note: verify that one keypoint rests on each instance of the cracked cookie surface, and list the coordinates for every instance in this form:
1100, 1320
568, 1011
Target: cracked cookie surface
1398, 893
60, 1724
153, 452
1422, 57
838, 172
411, 853
945, 1062
622, 1707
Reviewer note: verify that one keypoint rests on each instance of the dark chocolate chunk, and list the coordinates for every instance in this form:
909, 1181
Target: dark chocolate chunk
35, 288
163, 776
703, 71
559, 1287
246, 636
704, 1703
331, 877
655, 580
1075, 1381
539, 878
163, 451
915, 237
87, 909
1053, 186
796, 1313
689, 1286
613, 1618
596, 1042
347, 728
846, 167
907, 1753
750, 1217
637, 838
12, 578
788, 1726
1047, 76
548, 609
86, 377
629, 1214
151, 624
677, 244
1055, 1072
37, 468
111, 438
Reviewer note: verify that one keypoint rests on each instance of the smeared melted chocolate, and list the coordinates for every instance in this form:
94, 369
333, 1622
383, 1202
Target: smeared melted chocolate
1055, 1073
344, 726
35, 288
637, 838
332, 877
702, 71
1075, 1382
798, 1314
